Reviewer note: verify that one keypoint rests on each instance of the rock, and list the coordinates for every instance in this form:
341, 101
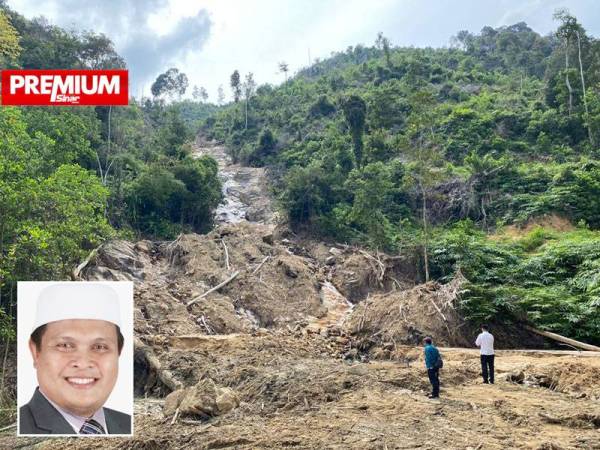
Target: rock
330, 260
205, 399
226, 400
157, 311
144, 246
334, 330
335, 251
313, 328
268, 238
290, 271
351, 354
515, 377
200, 400
172, 401
261, 332
358, 369
115, 260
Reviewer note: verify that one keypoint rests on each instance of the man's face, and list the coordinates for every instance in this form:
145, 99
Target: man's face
77, 364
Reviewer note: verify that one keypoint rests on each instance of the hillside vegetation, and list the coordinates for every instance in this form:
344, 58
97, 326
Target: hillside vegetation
73, 177
427, 151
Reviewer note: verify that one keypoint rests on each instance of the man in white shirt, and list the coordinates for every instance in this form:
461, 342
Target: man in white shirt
485, 342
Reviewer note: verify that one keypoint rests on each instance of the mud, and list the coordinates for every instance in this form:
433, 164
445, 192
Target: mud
250, 337
294, 391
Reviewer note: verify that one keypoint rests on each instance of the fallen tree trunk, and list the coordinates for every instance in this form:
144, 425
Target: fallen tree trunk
216, 288
164, 375
77, 271
564, 340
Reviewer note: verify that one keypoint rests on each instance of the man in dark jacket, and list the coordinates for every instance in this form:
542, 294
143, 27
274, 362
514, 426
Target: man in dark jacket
39, 416
75, 345
431, 357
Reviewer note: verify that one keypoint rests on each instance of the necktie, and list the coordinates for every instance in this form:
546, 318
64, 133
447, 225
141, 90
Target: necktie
90, 426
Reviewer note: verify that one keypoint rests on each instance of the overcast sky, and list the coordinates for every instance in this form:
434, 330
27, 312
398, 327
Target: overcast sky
208, 39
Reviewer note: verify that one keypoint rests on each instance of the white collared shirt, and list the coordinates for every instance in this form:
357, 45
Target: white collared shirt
77, 422
485, 342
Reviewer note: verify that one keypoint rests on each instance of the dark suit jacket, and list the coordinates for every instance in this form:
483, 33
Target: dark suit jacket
40, 417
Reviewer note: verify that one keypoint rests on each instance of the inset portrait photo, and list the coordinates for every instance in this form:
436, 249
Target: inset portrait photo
75, 358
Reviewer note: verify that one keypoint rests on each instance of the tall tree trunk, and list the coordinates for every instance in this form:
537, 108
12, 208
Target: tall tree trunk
108, 151
425, 235
587, 113
567, 82
485, 227
5, 359
246, 126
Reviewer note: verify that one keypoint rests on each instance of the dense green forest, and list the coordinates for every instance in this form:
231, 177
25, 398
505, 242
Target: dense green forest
73, 177
435, 152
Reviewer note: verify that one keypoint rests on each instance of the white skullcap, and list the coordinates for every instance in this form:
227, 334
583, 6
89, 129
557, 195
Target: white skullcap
77, 300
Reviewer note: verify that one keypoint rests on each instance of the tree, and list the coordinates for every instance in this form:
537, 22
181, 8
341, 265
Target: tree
9, 42
199, 93
264, 148
383, 43
371, 186
566, 31
307, 194
172, 83
166, 200
355, 111
425, 167
203, 94
236, 86
220, 95
284, 68
249, 88
97, 52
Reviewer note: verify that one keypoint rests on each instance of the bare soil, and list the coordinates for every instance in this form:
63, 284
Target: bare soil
313, 346
279, 357
295, 392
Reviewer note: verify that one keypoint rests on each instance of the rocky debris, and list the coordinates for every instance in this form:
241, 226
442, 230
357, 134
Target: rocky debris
275, 389
245, 189
581, 420
357, 273
204, 400
571, 378
279, 282
118, 261
384, 321
515, 377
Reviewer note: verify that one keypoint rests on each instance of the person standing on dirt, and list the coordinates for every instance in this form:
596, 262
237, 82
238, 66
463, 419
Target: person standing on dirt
485, 342
432, 355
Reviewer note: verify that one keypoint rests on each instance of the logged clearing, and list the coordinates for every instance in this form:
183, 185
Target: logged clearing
250, 337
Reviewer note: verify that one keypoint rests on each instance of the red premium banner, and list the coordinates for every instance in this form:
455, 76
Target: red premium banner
65, 87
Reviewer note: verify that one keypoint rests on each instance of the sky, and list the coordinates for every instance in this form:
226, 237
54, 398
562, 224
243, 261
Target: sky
209, 39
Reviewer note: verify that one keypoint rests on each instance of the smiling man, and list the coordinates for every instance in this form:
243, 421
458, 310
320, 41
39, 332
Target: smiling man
75, 345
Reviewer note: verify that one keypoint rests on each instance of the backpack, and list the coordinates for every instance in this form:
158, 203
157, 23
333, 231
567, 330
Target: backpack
439, 362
